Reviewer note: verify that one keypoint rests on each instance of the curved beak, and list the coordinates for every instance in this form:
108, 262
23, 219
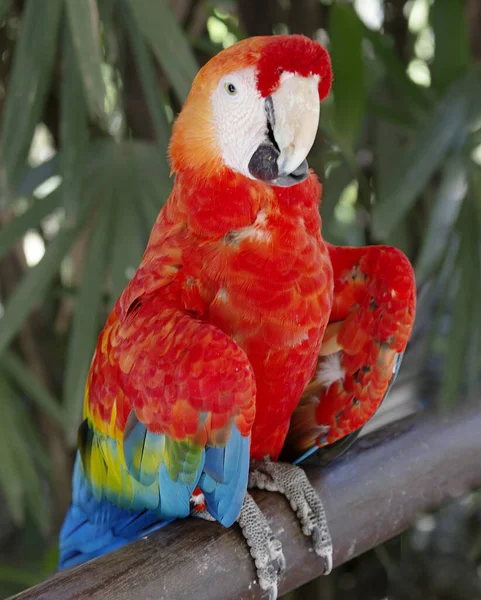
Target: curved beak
292, 120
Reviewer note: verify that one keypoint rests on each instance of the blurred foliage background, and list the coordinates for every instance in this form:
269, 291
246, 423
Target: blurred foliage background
88, 93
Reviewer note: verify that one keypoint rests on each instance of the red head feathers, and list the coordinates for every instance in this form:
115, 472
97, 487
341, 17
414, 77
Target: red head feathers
296, 54
192, 143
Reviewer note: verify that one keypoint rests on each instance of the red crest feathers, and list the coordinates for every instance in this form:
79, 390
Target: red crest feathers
296, 54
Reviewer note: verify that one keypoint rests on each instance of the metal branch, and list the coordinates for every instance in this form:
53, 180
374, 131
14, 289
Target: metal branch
371, 494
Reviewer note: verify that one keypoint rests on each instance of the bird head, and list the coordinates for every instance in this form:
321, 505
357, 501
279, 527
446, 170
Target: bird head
254, 109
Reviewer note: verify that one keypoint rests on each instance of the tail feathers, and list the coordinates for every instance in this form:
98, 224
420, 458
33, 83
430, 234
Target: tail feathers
81, 540
95, 526
92, 527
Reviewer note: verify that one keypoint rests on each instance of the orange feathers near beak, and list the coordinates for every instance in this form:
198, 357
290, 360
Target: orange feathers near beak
266, 124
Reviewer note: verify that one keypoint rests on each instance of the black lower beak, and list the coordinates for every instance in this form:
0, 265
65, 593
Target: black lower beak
263, 166
263, 163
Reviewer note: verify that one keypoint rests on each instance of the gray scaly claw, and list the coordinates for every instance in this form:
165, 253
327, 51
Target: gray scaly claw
292, 482
202, 514
265, 548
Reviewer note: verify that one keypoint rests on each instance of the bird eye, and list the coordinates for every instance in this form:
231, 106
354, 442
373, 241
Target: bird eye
230, 88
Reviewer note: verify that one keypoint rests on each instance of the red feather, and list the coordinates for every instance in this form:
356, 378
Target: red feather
296, 54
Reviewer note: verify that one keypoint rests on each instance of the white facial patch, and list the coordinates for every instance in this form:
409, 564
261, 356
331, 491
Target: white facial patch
240, 118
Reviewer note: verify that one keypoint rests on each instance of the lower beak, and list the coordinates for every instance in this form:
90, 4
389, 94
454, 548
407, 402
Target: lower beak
292, 122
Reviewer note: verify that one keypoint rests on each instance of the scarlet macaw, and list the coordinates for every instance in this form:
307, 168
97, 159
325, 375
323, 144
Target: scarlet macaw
243, 334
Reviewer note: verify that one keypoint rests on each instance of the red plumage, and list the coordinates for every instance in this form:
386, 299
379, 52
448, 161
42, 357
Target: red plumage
296, 54
220, 337
269, 286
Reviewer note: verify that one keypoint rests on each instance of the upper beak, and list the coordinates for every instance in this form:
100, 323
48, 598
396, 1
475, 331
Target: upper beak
292, 121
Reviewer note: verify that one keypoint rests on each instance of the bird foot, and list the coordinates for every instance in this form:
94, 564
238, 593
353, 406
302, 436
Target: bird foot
265, 548
292, 482
202, 514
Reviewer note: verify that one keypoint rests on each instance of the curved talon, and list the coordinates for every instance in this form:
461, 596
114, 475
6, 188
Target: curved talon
292, 482
327, 563
202, 514
265, 548
272, 591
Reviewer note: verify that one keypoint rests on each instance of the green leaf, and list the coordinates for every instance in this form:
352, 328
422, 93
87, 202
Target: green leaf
151, 173
142, 173
22, 577
345, 31
49, 561
127, 248
26, 447
34, 284
15, 229
74, 134
402, 237
421, 158
151, 182
391, 114
442, 216
452, 56
20, 477
388, 140
141, 187
395, 70
29, 83
338, 178
148, 210
141, 170
107, 10
349, 156
10, 480
466, 306
388, 144
474, 192
84, 23
5, 7
169, 43
150, 84
33, 177
86, 322
18, 371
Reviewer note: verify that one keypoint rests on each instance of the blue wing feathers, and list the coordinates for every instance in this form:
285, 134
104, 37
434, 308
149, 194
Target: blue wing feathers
214, 463
175, 495
94, 525
139, 445
224, 483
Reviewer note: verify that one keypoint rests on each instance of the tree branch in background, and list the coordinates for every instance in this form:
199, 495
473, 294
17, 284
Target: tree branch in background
257, 18
396, 24
473, 15
304, 17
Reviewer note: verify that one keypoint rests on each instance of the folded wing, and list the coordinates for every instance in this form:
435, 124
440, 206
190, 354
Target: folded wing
169, 406
369, 327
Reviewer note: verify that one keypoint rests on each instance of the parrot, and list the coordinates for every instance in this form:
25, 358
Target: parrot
243, 337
